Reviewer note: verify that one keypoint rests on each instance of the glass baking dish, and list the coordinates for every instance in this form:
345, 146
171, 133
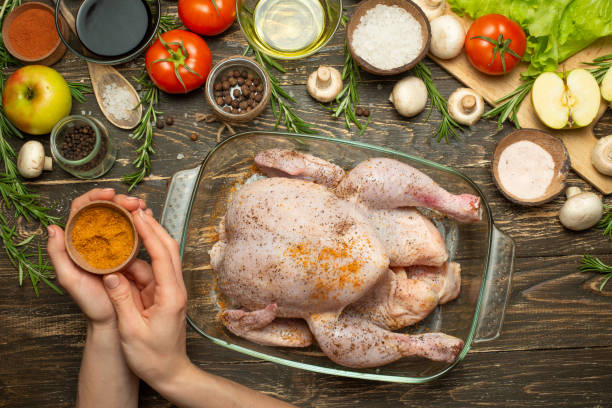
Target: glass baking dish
198, 197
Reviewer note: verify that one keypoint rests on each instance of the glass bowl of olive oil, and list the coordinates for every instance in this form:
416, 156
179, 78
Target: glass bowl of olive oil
288, 29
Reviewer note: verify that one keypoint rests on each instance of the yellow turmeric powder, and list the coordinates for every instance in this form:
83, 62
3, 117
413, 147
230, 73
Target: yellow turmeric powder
103, 236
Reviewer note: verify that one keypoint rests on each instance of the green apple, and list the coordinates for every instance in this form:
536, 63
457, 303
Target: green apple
572, 103
606, 86
35, 98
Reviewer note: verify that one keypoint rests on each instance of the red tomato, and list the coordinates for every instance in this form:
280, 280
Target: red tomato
201, 16
491, 38
178, 62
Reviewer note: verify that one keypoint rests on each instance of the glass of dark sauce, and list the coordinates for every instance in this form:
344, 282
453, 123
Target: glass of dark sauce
110, 31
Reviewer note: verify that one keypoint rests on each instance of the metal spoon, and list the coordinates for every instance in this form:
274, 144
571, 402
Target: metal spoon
103, 75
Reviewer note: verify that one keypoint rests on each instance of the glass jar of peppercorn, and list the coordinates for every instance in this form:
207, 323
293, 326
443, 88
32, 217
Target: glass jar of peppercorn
82, 146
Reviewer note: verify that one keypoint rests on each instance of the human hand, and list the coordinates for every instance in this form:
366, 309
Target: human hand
87, 289
151, 320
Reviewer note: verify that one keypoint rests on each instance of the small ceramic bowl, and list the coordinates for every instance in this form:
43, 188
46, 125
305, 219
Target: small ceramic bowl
51, 57
241, 64
552, 145
78, 258
411, 8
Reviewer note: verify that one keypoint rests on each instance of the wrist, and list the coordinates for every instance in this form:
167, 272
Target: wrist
173, 383
106, 332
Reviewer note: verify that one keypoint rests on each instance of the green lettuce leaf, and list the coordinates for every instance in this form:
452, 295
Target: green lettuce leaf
556, 29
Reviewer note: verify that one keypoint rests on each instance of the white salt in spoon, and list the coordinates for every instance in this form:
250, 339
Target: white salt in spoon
104, 75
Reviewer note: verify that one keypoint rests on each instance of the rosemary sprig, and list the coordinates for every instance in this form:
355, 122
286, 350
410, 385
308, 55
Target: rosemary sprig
509, 105
144, 131
606, 221
602, 65
279, 97
590, 263
78, 89
17, 197
448, 126
167, 23
348, 98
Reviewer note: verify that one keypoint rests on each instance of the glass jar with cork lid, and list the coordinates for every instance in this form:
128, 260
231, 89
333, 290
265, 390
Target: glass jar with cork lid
82, 146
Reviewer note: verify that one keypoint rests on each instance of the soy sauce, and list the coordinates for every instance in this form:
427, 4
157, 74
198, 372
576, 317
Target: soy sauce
112, 27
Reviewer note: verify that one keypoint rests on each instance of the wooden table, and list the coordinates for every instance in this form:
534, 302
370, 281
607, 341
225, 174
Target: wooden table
556, 345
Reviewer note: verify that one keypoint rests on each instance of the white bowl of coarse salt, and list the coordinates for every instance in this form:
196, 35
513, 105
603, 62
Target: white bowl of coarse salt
530, 166
387, 37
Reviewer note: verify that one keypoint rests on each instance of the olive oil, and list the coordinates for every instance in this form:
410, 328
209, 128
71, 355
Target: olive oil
289, 25
112, 27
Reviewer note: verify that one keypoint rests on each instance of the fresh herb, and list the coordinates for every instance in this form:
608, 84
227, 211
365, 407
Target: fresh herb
448, 126
168, 23
279, 97
592, 264
602, 65
144, 131
17, 197
606, 221
509, 105
348, 98
77, 90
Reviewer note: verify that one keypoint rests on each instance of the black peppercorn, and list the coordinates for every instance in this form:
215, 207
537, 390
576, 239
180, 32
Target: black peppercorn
193, 136
159, 124
169, 121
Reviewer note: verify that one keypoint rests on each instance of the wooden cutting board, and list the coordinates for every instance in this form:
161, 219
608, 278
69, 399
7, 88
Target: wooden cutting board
579, 143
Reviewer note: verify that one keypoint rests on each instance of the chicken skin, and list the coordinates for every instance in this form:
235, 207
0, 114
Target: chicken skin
311, 244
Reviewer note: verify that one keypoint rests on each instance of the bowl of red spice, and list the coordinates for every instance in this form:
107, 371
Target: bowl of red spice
101, 237
30, 34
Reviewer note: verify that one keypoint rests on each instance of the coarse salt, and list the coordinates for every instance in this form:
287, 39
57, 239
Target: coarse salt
118, 101
387, 37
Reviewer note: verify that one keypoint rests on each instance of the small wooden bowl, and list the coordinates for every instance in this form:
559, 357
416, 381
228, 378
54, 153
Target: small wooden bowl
407, 5
78, 258
241, 63
52, 56
552, 145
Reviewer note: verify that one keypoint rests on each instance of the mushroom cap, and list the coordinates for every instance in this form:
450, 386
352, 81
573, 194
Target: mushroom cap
409, 96
581, 211
466, 106
31, 159
324, 84
432, 8
601, 157
447, 37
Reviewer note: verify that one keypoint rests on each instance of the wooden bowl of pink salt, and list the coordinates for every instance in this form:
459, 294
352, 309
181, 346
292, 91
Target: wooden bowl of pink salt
530, 167
388, 37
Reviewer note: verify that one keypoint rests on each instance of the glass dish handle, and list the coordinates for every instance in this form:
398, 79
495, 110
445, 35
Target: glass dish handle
177, 202
496, 288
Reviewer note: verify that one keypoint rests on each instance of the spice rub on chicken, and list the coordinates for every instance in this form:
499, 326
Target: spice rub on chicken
307, 253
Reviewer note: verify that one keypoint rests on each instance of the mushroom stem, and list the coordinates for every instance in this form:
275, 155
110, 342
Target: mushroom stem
468, 103
48, 165
572, 191
323, 77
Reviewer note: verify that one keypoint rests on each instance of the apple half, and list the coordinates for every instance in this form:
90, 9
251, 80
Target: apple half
606, 86
572, 103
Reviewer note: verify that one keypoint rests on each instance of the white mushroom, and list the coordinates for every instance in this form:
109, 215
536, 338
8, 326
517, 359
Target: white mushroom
601, 157
32, 160
325, 84
466, 106
581, 211
432, 8
409, 96
447, 37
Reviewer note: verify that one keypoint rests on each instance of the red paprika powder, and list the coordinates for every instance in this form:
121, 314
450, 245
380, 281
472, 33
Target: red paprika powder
33, 34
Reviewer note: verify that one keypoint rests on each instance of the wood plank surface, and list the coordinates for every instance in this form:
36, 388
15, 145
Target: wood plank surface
556, 345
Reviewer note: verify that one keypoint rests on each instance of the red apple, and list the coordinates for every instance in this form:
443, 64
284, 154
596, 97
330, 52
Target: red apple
35, 98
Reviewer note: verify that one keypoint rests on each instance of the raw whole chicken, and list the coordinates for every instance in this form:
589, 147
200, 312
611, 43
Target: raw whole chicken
344, 259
